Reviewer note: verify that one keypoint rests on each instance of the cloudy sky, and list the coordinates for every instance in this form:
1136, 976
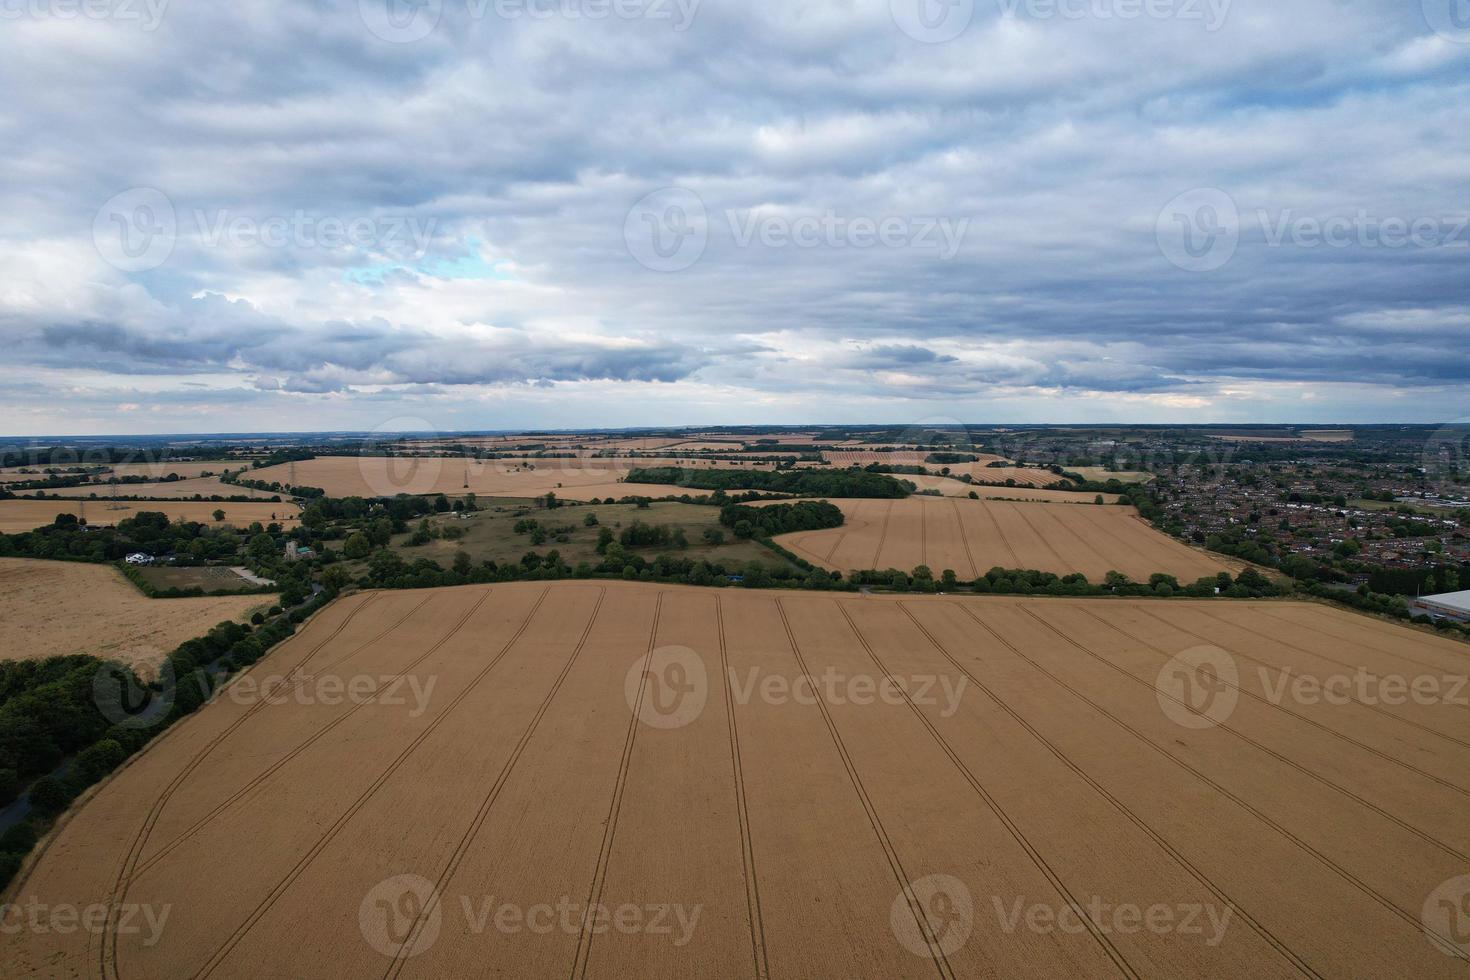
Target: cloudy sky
462, 214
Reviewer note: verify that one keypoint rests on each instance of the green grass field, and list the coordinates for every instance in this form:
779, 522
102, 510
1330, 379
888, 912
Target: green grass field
489, 534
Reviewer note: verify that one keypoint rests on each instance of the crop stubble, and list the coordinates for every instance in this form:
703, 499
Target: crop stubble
795, 827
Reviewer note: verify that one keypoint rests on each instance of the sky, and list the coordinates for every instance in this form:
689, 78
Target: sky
494, 214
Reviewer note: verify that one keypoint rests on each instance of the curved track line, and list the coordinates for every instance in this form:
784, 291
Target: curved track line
1103, 561
882, 535
1413, 920
1407, 634
1290, 714
964, 537
457, 856
1042, 538
610, 827
107, 949
747, 845
218, 956
923, 532
1300, 649
1038, 860
987, 504
1152, 535
275, 767
941, 961
1179, 858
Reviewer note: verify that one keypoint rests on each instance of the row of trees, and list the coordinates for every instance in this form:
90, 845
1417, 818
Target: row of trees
767, 522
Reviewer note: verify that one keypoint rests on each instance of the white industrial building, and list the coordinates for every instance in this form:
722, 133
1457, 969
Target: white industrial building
1450, 605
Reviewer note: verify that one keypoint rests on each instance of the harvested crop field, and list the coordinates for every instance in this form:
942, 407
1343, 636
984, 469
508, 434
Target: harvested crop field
205, 486
958, 488
57, 607
382, 476
183, 470
1017, 799
27, 515
974, 536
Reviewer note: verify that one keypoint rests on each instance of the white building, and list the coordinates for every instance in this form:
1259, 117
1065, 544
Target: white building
1450, 605
139, 558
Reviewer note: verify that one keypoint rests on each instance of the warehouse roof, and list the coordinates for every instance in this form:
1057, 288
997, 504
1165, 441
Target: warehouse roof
1459, 601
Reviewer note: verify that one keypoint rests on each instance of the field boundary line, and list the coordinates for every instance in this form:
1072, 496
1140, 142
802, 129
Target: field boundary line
1395, 630
1280, 945
284, 885
964, 537
108, 946
583, 955
482, 814
1038, 860
1290, 714
747, 843
1412, 919
895, 865
1300, 649
275, 767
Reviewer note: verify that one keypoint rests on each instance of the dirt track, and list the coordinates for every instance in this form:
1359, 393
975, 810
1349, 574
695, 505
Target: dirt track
973, 536
1028, 762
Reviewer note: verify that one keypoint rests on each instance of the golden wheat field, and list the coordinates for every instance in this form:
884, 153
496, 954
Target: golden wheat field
204, 486
49, 608
958, 488
27, 515
384, 476
973, 536
622, 780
